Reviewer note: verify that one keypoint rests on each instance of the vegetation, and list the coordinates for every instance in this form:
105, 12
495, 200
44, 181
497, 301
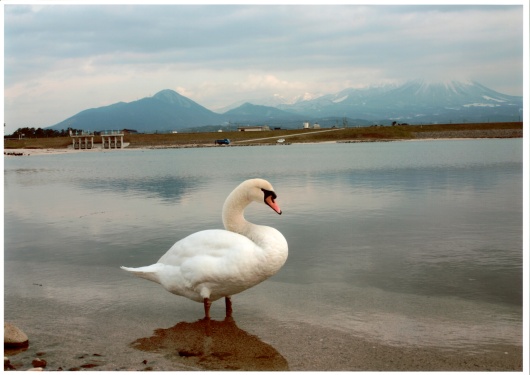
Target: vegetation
54, 142
40, 133
372, 133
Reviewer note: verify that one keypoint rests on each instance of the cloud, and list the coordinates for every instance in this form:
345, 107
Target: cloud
267, 82
82, 56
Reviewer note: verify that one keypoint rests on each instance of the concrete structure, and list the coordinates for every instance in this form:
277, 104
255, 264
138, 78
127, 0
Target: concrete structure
82, 140
112, 139
306, 125
258, 128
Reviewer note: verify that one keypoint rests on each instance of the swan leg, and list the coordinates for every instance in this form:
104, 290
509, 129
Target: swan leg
228, 305
207, 304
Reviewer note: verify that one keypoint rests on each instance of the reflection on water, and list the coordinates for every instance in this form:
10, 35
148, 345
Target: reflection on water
213, 345
8, 352
169, 188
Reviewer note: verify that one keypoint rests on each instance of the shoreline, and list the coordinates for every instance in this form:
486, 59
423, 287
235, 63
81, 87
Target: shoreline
177, 347
16, 152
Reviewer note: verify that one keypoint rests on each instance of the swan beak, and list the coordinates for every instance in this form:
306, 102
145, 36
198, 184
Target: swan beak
272, 204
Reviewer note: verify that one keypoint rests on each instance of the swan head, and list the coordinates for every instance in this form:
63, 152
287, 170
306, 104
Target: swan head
253, 190
260, 190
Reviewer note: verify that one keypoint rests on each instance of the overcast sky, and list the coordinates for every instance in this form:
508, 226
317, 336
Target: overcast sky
62, 59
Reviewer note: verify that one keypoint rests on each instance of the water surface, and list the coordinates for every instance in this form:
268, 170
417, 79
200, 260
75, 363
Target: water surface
408, 243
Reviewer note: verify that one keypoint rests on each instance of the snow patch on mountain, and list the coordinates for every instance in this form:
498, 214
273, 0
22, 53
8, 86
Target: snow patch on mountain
305, 97
448, 87
341, 99
481, 105
496, 100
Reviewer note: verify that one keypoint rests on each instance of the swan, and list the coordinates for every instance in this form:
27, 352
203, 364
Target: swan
208, 265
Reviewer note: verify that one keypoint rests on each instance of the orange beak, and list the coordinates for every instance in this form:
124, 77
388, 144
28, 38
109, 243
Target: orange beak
272, 204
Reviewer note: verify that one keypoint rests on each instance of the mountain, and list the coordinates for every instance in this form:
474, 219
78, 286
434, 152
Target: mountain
275, 101
416, 101
252, 113
165, 111
168, 111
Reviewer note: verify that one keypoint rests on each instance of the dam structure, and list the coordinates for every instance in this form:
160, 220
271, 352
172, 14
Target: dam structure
110, 139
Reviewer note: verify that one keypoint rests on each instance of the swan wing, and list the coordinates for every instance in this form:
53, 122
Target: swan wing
216, 261
215, 243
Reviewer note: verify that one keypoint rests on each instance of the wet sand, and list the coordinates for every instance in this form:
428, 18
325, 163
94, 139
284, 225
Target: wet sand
20, 152
77, 323
295, 347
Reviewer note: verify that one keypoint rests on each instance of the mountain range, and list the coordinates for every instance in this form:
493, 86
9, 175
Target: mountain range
414, 102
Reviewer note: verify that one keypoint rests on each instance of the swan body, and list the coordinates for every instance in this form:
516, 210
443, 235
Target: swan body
208, 265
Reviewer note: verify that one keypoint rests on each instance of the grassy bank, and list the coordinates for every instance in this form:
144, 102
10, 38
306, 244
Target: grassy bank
378, 133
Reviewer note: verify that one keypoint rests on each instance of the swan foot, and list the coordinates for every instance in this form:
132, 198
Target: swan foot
207, 304
228, 305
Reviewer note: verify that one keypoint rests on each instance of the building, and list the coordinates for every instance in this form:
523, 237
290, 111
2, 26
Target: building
257, 128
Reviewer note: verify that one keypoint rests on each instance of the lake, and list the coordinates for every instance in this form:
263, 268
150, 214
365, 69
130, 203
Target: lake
413, 244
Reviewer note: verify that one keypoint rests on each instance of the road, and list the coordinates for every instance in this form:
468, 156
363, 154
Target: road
291, 135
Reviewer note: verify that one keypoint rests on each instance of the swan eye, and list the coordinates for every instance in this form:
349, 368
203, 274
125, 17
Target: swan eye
268, 193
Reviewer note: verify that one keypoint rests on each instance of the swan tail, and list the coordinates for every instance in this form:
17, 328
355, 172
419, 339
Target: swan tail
147, 272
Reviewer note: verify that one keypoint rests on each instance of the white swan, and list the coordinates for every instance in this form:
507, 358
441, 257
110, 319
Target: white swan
212, 264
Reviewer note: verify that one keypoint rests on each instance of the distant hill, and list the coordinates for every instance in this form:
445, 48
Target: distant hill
251, 113
415, 102
165, 111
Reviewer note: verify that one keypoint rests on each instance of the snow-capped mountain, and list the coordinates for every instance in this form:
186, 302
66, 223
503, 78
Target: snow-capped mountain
250, 113
416, 101
275, 101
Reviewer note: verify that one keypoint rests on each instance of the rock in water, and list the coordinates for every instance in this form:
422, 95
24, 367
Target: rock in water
7, 364
37, 362
14, 337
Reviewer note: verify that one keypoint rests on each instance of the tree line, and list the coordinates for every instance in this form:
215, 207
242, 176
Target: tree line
40, 133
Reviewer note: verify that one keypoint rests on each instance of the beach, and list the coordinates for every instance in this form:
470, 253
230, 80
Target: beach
125, 330
297, 347
16, 152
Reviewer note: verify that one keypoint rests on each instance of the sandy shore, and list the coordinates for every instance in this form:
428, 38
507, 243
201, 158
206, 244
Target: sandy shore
222, 345
439, 136
151, 330
15, 152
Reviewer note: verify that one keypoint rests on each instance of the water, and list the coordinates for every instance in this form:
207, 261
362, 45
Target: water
409, 243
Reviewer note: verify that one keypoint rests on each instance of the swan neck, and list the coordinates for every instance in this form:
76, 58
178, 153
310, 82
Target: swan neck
233, 212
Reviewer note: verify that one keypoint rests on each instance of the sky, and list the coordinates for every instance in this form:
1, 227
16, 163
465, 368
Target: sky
60, 59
